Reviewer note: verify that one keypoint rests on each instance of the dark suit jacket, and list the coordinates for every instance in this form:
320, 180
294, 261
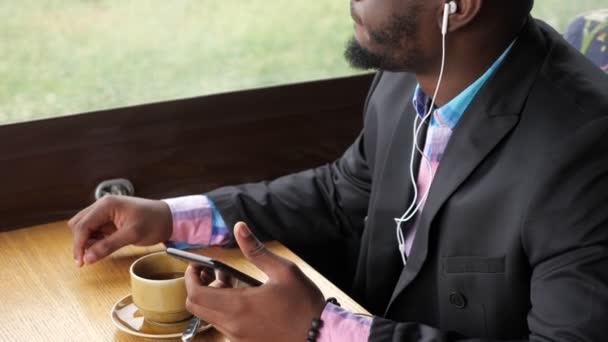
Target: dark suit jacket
513, 240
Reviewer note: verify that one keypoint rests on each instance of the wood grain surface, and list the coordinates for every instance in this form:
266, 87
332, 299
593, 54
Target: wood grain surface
45, 297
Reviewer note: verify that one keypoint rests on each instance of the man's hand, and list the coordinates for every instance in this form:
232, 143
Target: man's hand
280, 310
115, 221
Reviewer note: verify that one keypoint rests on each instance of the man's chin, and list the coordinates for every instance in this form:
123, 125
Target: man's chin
361, 58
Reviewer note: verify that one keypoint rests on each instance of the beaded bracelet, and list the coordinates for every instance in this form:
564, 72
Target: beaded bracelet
313, 332
317, 323
332, 300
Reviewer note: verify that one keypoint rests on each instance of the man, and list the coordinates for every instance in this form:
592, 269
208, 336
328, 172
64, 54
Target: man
504, 236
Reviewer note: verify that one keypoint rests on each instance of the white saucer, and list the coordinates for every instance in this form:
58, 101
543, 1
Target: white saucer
127, 318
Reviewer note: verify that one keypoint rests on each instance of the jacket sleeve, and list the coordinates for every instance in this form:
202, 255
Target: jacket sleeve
565, 236
325, 203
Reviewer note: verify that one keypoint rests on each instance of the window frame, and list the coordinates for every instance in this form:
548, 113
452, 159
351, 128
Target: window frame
52, 166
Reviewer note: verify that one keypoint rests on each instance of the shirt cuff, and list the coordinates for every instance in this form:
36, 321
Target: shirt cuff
341, 325
196, 223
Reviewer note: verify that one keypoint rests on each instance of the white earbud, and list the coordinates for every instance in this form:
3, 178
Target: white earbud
449, 8
453, 7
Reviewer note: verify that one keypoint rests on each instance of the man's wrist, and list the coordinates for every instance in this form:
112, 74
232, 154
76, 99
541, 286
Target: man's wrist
168, 218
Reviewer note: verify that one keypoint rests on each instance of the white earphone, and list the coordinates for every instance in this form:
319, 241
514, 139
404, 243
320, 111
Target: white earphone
448, 9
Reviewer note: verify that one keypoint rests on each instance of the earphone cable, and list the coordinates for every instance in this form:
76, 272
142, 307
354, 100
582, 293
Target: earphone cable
417, 205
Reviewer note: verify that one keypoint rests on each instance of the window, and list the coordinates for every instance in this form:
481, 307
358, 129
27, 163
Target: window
70, 56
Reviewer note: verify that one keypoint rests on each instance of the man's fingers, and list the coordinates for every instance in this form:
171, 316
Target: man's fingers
106, 246
223, 279
220, 320
78, 217
210, 316
192, 277
96, 217
225, 300
206, 275
73, 223
80, 240
256, 252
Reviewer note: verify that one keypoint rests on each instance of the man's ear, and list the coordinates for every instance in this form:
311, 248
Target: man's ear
466, 11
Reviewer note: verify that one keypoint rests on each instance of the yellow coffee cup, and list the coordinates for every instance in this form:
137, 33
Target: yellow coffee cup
158, 288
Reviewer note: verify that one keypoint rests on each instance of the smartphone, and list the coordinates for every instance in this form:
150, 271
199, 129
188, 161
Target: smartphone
213, 264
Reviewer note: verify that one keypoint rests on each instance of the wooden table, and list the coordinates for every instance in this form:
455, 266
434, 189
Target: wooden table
45, 297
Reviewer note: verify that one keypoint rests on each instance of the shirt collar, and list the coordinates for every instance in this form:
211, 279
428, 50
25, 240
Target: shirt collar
450, 113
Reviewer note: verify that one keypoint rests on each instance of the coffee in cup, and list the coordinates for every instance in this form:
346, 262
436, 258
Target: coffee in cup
158, 288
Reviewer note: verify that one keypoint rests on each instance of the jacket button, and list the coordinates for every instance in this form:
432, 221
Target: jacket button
458, 300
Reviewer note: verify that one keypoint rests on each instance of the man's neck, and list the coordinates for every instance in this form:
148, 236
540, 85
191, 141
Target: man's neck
466, 61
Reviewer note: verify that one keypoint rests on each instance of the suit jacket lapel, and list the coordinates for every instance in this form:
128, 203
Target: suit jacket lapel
394, 189
490, 117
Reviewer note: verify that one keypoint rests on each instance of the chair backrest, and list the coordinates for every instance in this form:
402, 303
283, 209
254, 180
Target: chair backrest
588, 32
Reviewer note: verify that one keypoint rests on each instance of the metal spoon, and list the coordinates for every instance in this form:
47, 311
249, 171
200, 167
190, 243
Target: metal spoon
191, 329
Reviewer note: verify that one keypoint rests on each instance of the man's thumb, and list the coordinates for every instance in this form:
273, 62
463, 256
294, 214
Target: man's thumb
255, 251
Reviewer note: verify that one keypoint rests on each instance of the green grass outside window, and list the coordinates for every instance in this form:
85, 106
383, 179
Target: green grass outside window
60, 57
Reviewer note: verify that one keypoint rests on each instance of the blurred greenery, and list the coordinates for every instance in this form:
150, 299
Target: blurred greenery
60, 57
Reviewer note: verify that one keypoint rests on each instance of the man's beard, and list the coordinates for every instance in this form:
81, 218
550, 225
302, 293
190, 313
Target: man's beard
397, 39
360, 58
